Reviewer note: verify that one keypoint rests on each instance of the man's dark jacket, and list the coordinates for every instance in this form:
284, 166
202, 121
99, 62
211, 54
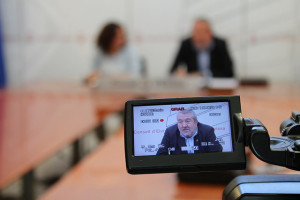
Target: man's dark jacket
172, 138
220, 62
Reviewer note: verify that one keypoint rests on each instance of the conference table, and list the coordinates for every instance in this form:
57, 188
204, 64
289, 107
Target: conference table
102, 174
36, 122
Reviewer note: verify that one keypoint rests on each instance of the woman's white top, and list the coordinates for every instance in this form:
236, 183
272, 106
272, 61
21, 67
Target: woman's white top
126, 62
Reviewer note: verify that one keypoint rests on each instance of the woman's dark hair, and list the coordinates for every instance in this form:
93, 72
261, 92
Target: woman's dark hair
106, 36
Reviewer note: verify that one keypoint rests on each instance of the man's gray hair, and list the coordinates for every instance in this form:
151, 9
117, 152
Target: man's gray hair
203, 20
188, 110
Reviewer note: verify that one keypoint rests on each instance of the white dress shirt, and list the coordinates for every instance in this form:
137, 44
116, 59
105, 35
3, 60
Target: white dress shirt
190, 141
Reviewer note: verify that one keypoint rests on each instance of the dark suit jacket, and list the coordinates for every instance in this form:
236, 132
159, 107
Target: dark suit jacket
172, 138
220, 62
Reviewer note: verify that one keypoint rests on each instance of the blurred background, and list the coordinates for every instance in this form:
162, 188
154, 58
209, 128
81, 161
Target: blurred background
55, 40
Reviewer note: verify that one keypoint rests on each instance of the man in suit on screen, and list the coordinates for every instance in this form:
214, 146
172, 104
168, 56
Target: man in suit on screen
188, 136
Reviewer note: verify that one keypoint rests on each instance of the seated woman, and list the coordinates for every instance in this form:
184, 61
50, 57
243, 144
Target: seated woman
115, 58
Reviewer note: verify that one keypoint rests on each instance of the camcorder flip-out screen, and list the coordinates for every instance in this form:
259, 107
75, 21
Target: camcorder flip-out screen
184, 135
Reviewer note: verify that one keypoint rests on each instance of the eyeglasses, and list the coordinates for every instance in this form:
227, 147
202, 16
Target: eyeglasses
187, 121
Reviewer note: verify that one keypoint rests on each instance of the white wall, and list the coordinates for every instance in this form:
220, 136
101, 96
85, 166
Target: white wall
54, 39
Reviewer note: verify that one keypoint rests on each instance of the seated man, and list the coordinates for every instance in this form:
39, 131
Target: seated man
204, 53
188, 136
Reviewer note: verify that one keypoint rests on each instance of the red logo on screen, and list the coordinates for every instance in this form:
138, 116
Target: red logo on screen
177, 109
161, 120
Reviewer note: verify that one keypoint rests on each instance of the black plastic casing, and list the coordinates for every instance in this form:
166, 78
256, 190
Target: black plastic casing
187, 162
263, 187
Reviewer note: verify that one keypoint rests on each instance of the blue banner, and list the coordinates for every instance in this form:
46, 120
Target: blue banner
2, 67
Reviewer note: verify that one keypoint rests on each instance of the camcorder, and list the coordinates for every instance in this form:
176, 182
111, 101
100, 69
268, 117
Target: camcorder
205, 134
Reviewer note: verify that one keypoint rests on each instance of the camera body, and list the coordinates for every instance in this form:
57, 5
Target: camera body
202, 134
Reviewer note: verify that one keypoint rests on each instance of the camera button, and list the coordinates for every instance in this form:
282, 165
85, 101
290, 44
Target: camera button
297, 144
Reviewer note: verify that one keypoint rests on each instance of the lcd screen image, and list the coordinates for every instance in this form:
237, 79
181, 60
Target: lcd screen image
182, 129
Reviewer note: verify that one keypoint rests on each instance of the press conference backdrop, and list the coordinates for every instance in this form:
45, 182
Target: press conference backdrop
2, 69
150, 123
54, 39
